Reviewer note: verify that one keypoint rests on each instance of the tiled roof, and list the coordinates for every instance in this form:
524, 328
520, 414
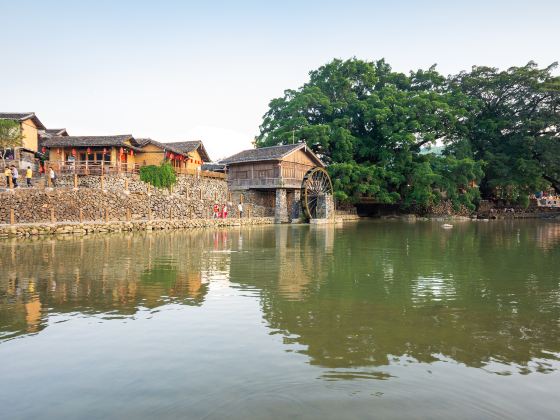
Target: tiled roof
22, 116
164, 146
56, 131
267, 153
87, 141
18, 116
191, 146
214, 167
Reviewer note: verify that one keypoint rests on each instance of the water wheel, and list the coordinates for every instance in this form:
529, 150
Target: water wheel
316, 183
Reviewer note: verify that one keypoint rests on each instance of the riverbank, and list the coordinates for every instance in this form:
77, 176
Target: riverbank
85, 228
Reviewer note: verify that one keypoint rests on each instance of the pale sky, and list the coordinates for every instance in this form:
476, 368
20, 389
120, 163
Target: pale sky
182, 70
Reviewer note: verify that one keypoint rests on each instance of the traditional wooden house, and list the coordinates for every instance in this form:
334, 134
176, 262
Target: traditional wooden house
195, 150
121, 153
90, 153
274, 176
185, 156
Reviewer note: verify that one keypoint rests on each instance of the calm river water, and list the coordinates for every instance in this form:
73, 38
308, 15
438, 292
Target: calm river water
375, 319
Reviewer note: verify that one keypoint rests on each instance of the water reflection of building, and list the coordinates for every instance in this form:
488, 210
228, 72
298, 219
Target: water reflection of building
103, 274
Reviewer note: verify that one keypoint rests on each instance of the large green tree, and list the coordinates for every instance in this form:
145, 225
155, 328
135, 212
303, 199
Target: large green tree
369, 123
10, 137
513, 124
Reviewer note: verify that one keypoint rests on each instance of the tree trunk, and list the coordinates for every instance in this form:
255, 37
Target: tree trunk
555, 183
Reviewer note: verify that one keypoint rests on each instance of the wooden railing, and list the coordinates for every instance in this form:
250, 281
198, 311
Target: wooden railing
80, 167
265, 183
107, 168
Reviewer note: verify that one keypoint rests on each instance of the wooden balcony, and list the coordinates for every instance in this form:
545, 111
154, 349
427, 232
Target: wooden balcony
108, 168
264, 183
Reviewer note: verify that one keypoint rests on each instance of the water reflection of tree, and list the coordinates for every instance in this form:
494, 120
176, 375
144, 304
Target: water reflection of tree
109, 275
480, 293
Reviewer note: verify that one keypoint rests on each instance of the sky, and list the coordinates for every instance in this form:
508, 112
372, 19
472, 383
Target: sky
187, 70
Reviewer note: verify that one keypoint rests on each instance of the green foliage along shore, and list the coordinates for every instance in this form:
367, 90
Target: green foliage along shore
162, 176
499, 131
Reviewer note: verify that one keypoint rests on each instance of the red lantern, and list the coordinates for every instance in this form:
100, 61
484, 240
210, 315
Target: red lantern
58, 151
73, 152
104, 151
88, 151
171, 156
131, 152
121, 151
44, 149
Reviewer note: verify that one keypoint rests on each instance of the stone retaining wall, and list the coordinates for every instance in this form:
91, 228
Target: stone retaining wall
191, 198
37, 229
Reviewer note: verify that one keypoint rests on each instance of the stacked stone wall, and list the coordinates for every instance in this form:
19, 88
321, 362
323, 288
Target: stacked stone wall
190, 198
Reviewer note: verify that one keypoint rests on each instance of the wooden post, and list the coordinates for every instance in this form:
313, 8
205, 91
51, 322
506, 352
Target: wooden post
170, 213
201, 193
106, 214
126, 184
81, 215
75, 181
149, 213
53, 219
102, 183
128, 216
12, 217
187, 192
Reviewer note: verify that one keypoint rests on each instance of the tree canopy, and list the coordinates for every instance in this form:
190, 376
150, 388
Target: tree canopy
371, 125
10, 136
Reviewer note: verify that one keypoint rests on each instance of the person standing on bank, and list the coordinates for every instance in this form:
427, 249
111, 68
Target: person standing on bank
240, 209
15, 176
52, 176
224, 211
28, 176
8, 175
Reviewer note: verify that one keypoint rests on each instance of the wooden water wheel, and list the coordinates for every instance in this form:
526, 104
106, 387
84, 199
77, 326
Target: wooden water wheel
316, 183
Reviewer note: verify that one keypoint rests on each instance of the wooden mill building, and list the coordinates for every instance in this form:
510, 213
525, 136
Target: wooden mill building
273, 176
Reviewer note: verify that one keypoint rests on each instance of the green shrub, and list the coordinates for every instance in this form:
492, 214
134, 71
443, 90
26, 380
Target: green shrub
162, 176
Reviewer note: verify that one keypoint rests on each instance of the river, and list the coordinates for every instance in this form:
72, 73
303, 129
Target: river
374, 319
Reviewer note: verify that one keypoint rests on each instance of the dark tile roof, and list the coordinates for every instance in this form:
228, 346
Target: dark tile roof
164, 146
56, 131
191, 146
267, 153
22, 116
214, 167
87, 141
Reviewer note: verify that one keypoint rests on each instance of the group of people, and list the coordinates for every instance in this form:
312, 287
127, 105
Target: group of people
12, 176
547, 199
221, 212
